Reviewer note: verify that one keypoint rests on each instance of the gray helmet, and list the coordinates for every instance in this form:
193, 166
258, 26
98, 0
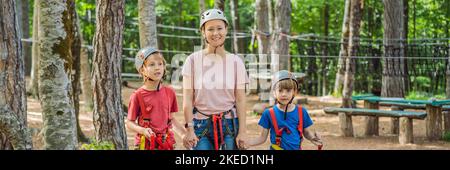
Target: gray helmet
212, 14
284, 74
142, 55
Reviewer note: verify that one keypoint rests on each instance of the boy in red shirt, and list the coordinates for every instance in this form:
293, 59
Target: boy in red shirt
151, 107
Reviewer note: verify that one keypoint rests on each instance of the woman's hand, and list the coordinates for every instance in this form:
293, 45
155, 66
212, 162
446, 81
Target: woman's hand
190, 140
241, 141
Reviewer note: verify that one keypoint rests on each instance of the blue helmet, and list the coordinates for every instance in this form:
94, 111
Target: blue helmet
284, 74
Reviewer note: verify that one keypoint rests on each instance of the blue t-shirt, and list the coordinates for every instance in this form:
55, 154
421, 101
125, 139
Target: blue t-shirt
288, 141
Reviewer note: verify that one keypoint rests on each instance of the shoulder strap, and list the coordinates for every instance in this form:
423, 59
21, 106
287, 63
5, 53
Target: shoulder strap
193, 78
235, 76
274, 121
169, 104
300, 120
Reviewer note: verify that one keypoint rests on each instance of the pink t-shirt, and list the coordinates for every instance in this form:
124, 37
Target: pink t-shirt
216, 79
159, 104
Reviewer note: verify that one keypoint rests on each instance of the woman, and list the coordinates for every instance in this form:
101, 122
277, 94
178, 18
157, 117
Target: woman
214, 91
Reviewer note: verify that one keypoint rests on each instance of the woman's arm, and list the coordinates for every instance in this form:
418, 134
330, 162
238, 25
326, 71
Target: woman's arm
240, 109
190, 139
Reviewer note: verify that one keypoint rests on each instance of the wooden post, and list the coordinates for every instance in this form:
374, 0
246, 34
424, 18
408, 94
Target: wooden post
394, 121
346, 125
371, 122
446, 117
406, 131
434, 122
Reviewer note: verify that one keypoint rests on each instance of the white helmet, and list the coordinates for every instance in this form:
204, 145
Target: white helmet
212, 14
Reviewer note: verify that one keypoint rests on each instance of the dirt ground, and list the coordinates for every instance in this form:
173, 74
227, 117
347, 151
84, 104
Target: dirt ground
326, 125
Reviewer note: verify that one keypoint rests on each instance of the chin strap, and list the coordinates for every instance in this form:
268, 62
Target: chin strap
147, 78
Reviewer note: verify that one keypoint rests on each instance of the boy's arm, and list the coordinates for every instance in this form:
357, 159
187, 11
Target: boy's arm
260, 139
312, 136
177, 127
138, 129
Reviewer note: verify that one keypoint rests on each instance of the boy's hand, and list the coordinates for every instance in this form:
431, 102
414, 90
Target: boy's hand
148, 132
190, 140
317, 140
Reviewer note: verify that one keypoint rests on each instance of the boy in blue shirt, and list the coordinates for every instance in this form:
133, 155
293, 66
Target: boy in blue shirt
287, 123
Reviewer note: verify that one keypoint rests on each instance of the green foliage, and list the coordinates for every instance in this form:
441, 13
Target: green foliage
446, 137
417, 95
86, 15
427, 19
255, 114
96, 145
421, 82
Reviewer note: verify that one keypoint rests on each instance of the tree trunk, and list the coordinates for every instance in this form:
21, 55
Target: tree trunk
202, 7
355, 24
271, 15
405, 45
312, 70
34, 85
326, 18
180, 22
263, 38
147, 24
447, 88
76, 84
262, 24
394, 70
85, 75
13, 116
393, 84
56, 26
108, 113
338, 84
282, 30
238, 46
219, 4
22, 9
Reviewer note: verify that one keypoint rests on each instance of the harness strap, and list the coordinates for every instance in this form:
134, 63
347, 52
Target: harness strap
300, 125
162, 141
217, 121
155, 141
300, 121
279, 131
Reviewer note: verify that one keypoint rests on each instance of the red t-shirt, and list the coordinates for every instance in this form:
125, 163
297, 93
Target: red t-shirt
159, 104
